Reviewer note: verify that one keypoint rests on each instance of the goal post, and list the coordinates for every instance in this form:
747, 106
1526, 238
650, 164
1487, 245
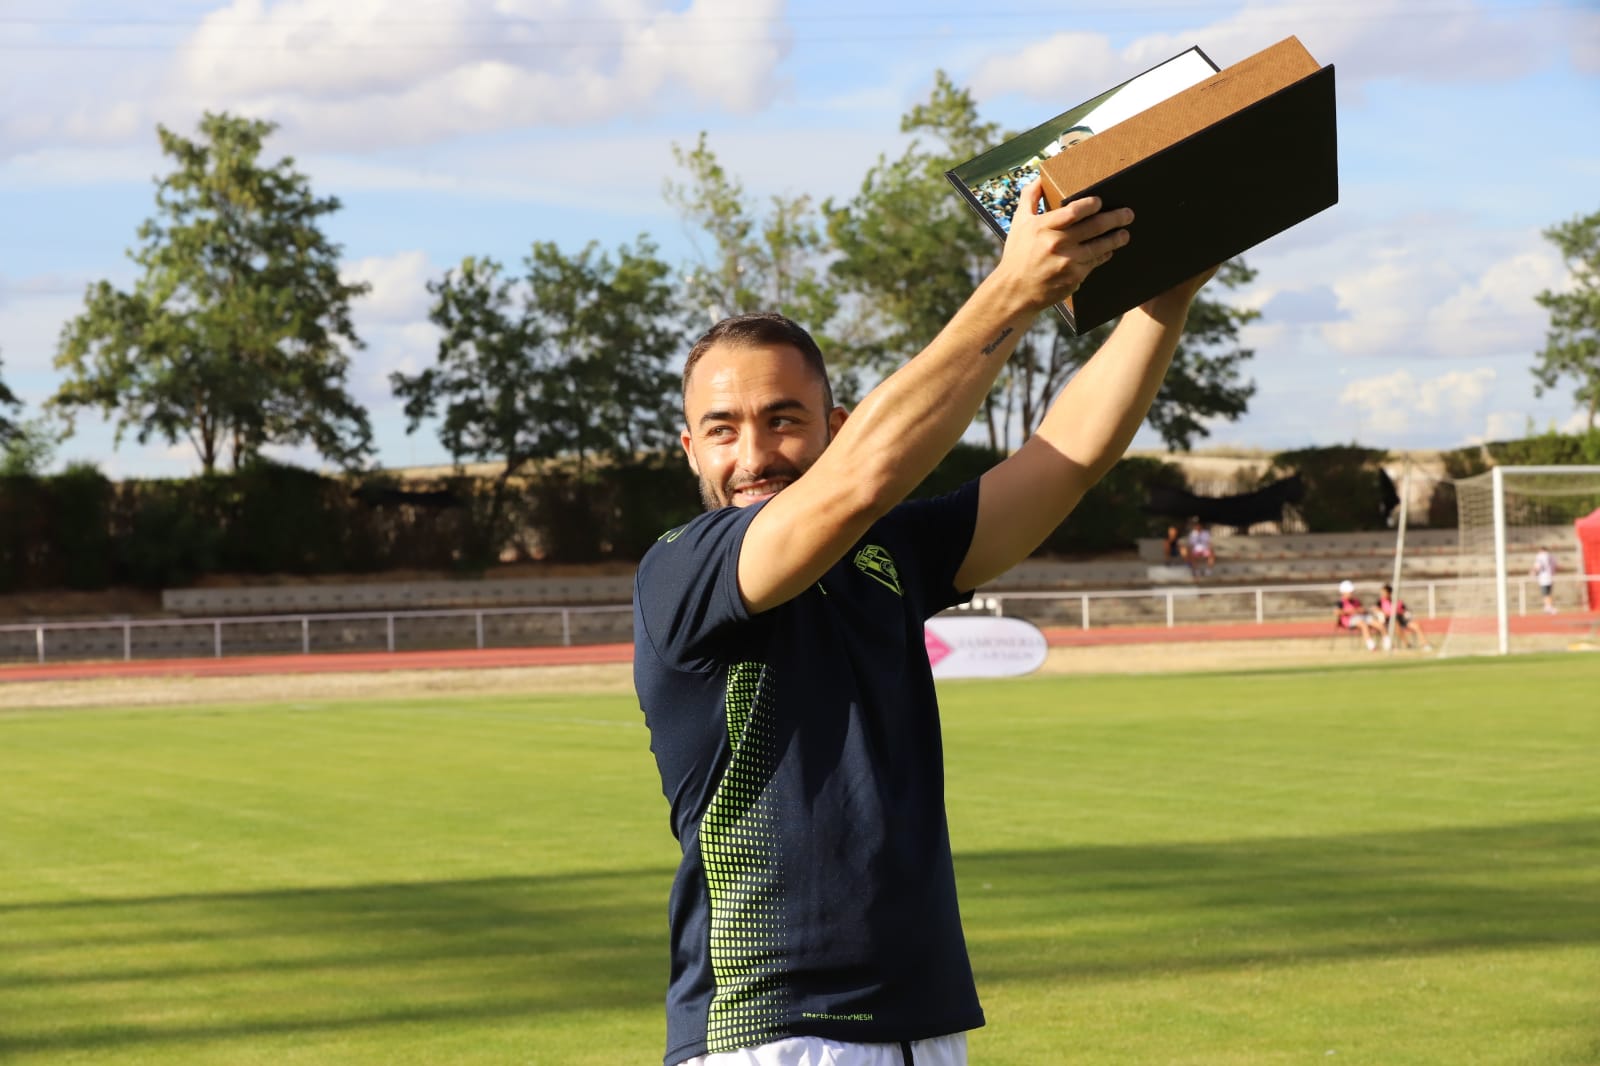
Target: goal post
1506, 517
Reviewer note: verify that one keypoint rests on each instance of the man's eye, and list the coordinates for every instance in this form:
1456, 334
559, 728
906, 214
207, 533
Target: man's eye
719, 431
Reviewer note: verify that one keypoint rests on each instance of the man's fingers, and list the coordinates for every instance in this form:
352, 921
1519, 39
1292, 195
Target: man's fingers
1097, 224
1029, 198
1072, 213
1101, 248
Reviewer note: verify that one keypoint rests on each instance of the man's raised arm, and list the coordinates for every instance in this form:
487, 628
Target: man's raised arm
914, 417
1084, 432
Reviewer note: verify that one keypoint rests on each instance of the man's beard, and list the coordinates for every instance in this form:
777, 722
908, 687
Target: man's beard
710, 499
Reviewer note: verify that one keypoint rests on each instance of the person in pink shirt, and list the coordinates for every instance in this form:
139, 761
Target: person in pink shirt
1354, 616
1398, 621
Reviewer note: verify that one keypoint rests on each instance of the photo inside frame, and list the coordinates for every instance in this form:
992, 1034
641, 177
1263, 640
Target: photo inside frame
993, 181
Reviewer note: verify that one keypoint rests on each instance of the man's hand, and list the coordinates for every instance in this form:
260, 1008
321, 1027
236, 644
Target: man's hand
1047, 256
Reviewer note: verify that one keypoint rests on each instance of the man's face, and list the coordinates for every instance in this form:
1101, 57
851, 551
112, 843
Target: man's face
756, 421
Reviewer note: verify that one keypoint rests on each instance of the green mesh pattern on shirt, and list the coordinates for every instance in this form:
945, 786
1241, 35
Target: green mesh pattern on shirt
739, 849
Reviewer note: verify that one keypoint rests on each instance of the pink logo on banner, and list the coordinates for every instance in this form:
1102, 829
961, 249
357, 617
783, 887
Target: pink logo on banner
937, 649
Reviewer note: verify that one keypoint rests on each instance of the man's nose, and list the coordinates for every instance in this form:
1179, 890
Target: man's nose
756, 448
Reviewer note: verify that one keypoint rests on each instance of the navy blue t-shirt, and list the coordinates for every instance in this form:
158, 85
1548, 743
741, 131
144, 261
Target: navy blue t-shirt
801, 755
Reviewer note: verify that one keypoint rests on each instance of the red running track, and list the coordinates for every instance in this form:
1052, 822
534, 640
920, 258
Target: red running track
1578, 625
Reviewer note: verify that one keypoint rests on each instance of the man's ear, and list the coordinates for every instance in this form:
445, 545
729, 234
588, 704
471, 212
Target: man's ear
836, 419
687, 441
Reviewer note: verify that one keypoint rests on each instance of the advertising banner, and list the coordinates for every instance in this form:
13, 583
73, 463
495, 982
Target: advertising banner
983, 647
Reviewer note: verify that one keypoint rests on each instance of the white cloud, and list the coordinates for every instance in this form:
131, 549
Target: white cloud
1063, 66
1441, 286
399, 286
1579, 422
363, 74
1506, 425
407, 349
1398, 403
376, 72
1388, 39
1495, 311
1585, 41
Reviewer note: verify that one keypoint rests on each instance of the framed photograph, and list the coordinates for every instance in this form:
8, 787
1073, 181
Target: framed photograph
991, 182
1168, 143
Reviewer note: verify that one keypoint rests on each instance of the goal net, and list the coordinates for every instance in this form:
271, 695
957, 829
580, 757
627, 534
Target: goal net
1507, 518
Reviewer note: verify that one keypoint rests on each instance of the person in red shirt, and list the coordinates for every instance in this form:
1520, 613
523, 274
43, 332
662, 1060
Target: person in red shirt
1398, 621
1352, 615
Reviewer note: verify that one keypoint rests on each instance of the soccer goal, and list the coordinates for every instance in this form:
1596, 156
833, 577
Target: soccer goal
1507, 517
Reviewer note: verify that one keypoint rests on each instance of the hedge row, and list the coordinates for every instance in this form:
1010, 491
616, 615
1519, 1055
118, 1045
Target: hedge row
80, 530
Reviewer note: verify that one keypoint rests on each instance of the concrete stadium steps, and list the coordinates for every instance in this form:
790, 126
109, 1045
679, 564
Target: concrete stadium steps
1420, 543
1304, 558
398, 596
1047, 574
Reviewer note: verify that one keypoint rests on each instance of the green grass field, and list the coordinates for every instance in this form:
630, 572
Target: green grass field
1389, 865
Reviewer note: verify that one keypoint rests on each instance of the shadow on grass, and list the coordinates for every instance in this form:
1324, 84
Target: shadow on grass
1125, 912
84, 974
89, 974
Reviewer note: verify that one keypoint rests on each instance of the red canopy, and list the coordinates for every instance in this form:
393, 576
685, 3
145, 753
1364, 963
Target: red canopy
1588, 530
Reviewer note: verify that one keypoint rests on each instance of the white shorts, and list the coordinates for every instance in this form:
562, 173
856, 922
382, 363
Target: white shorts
816, 1051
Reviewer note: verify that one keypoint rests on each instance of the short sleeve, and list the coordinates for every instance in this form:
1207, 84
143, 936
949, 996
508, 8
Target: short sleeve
933, 536
686, 591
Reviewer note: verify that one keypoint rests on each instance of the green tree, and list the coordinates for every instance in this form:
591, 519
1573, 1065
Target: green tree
27, 446
912, 253
572, 359
30, 449
236, 333
1572, 344
9, 428
756, 262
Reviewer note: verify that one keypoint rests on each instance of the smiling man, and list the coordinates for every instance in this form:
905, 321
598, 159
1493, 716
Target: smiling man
780, 664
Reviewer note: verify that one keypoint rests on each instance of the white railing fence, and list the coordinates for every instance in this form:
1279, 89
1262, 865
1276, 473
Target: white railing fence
394, 631
306, 634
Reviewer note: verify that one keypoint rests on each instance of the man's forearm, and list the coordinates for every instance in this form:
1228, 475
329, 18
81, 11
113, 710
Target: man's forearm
912, 419
905, 425
1096, 416
915, 416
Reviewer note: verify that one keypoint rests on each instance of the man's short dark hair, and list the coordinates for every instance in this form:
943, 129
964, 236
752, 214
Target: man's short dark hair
760, 329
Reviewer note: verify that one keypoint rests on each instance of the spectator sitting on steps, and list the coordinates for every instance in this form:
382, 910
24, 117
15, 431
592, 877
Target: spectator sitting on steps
1201, 556
1354, 616
1176, 549
1398, 620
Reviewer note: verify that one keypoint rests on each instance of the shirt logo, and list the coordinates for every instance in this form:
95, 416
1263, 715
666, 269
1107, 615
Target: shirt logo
673, 534
876, 564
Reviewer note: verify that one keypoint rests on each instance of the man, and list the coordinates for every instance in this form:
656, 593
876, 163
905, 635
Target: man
780, 664
1544, 572
1398, 620
1202, 557
1352, 615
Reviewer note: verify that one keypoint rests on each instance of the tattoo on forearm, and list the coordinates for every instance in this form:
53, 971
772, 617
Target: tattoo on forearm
995, 344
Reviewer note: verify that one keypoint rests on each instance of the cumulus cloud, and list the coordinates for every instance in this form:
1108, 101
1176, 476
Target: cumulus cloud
1312, 304
366, 74
1585, 41
1390, 39
380, 72
399, 283
1413, 286
1398, 403
1506, 425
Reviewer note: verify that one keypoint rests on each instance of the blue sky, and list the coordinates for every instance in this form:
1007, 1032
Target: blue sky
1402, 318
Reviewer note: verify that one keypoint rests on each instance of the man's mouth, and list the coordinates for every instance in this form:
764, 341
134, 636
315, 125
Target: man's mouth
756, 491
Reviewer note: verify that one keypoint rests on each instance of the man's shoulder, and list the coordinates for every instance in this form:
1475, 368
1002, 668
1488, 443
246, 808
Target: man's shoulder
703, 528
